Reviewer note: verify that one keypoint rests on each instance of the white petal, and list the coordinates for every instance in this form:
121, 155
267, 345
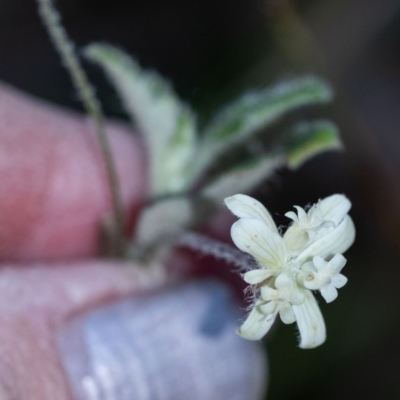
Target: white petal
334, 208
283, 281
296, 296
315, 215
329, 293
257, 276
338, 262
339, 281
349, 234
287, 315
310, 322
335, 241
312, 282
254, 237
328, 225
246, 207
308, 267
295, 237
312, 234
286, 286
257, 324
269, 307
292, 215
319, 263
269, 294
301, 213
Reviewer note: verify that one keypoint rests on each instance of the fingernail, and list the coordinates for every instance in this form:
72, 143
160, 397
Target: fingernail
175, 345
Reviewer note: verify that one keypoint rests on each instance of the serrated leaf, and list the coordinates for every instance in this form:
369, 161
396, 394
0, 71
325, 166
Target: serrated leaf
256, 110
309, 139
243, 178
169, 126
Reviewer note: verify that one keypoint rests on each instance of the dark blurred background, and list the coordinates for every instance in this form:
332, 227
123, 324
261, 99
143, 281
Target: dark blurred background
211, 51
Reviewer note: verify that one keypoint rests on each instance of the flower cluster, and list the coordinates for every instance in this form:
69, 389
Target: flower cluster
308, 257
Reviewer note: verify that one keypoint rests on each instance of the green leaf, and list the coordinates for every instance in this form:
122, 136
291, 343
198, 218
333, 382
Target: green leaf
256, 110
169, 126
163, 219
243, 178
309, 139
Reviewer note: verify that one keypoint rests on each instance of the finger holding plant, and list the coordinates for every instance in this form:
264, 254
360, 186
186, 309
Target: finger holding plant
183, 193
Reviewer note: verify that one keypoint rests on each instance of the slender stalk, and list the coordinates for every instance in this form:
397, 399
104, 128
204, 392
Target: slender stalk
52, 21
211, 247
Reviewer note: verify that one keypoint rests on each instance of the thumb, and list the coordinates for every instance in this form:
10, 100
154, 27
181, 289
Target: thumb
91, 330
177, 344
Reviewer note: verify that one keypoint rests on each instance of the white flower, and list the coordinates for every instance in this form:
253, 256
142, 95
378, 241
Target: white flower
307, 257
326, 277
281, 299
320, 218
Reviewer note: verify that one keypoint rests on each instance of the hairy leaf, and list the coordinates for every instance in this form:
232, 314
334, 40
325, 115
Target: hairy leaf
256, 110
309, 139
243, 178
169, 126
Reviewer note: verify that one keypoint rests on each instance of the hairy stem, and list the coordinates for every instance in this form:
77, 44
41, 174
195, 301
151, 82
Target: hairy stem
52, 21
221, 251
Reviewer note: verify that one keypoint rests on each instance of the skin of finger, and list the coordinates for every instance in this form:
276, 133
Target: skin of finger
55, 191
35, 301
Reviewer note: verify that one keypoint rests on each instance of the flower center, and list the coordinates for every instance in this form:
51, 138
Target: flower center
292, 266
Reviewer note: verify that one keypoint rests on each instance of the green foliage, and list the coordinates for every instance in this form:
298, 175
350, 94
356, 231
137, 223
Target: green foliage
254, 111
168, 125
243, 178
258, 109
180, 155
309, 139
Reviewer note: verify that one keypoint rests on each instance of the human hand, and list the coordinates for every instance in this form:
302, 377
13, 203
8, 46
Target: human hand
74, 326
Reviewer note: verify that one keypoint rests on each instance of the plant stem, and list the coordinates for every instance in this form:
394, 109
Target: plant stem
52, 21
211, 247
